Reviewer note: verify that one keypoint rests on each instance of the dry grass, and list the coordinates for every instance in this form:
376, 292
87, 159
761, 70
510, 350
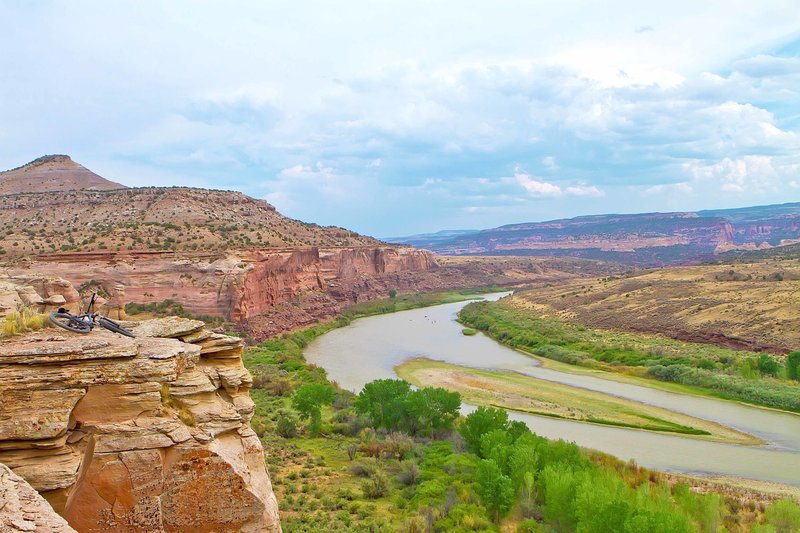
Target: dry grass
23, 320
754, 308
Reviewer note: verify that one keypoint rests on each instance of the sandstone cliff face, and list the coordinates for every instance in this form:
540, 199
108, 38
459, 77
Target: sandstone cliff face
238, 285
37, 291
144, 434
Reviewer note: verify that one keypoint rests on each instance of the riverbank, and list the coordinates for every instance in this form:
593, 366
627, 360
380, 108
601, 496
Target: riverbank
653, 360
526, 394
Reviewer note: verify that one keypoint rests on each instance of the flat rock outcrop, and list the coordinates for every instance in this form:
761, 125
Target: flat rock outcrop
144, 434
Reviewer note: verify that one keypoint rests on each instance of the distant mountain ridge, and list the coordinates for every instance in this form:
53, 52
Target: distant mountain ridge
646, 239
53, 173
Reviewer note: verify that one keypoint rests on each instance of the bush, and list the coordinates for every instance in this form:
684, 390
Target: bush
363, 468
528, 526
22, 320
377, 486
409, 473
286, 426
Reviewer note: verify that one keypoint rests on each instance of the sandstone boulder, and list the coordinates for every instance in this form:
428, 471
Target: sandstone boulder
38, 292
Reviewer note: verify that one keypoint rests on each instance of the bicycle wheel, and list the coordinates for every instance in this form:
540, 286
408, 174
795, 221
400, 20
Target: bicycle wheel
110, 325
70, 322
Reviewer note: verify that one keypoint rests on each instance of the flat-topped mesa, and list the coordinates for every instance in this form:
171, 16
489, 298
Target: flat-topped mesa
53, 173
144, 434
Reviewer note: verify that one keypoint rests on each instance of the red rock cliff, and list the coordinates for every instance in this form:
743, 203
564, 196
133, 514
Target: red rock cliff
237, 285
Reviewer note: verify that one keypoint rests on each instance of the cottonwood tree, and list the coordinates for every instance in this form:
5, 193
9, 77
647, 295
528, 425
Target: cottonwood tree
308, 401
432, 409
383, 401
494, 488
479, 422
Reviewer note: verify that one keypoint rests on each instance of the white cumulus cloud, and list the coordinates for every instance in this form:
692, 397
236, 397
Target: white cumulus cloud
544, 189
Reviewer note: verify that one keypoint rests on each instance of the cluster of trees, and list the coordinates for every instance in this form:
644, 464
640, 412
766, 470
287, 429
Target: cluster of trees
793, 366
557, 481
391, 404
756, 378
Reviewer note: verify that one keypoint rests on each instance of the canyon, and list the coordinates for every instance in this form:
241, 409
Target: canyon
270, 291
646, 239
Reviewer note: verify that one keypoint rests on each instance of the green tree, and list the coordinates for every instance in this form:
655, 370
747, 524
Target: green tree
517, 429
384, 402
432, 409
392, 294
479, 422
522, 461
494, 488
560, 485
784, 515
496, 445
309, 399
793, 366
767, 365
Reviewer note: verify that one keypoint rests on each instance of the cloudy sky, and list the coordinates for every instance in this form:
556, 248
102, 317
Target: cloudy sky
401, 117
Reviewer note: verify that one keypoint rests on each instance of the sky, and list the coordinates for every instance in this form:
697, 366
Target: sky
400, 117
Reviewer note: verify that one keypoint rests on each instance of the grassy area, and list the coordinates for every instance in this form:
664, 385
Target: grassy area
530, 395
354, 477
164, 308
724, 373
23, 320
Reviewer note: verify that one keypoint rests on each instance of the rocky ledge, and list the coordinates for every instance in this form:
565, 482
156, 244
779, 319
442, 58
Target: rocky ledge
144, 434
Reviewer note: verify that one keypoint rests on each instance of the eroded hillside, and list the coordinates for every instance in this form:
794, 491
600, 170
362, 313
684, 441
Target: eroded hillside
169, 218
749, 306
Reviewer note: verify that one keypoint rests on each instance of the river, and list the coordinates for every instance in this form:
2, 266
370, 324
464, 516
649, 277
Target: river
370, 348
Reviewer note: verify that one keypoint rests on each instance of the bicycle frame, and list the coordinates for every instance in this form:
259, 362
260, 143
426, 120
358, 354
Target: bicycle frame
91, 304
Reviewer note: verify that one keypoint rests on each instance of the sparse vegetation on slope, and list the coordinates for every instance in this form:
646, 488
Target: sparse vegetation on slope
745, 376
154, 219
751, 306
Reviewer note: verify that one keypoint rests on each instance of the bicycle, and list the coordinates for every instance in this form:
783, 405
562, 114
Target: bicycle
86, 322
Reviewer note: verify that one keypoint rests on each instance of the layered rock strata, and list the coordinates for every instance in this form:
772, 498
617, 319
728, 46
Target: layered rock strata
238, 285
144, 434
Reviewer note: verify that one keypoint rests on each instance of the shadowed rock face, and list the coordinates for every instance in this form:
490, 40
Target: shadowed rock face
144, 434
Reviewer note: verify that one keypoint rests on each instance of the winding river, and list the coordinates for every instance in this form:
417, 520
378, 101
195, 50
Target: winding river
370, 348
